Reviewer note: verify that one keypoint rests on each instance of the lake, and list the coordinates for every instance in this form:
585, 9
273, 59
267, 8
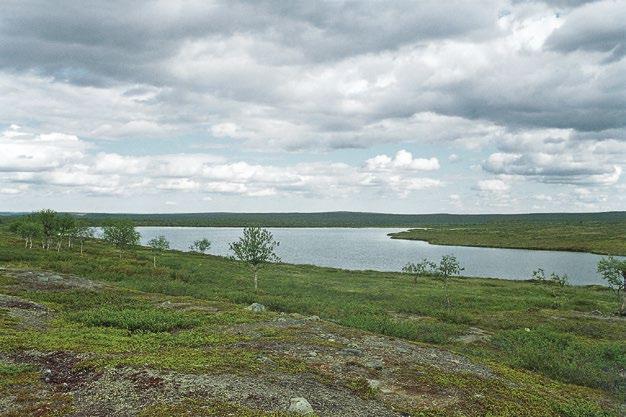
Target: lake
371, 248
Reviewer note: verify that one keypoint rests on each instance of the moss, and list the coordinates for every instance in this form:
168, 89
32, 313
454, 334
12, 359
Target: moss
204, 408
528, 395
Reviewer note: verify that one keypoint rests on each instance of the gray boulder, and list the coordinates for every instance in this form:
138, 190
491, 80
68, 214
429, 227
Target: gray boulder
256, 307
301, 406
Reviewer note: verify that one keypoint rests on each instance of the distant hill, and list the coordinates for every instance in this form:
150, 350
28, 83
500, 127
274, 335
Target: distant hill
346, 219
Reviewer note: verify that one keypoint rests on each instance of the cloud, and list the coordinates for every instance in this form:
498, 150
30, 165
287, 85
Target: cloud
510, 90
596, 27
403, 160
27, 152
341, 75
75, 167
558, 157
494, 185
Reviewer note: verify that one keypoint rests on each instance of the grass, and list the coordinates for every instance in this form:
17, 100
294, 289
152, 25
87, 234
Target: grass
589, 235
126, 324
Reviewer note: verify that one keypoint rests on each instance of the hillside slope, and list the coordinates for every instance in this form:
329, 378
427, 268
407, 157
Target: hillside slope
71, 346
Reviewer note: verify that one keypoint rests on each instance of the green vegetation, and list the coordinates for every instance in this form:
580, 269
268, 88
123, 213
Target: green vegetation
134, 320
158, 245
348, 219
121, 234
201, 245
603, 235
613, 271
448, 267
562, 346
256, 247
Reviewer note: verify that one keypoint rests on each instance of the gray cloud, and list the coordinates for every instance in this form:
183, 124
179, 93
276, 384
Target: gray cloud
596, 27
96, 43
540, 85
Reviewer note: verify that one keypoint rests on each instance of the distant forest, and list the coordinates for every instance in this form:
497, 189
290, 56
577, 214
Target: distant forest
340, 219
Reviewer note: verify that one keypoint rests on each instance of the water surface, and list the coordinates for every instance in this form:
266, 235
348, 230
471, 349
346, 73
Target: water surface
371, 248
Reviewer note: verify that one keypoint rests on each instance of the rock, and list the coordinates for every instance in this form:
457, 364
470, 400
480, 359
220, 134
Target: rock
374, 364
265, 360
596, 312
374, 383
351, 352
301, 406
313, 318
312, 353
47, 375
256, 307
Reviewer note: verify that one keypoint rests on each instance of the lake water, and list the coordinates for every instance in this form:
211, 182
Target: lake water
371, 248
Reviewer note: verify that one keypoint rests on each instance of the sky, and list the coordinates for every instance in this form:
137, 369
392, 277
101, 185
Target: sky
257, 106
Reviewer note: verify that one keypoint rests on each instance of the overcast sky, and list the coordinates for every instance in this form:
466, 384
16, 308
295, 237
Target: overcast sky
414, 107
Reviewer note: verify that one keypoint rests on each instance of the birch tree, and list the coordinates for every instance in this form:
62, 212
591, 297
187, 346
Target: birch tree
256, 247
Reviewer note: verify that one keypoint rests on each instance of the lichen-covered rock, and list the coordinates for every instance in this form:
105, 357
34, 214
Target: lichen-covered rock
256, 307
301, 406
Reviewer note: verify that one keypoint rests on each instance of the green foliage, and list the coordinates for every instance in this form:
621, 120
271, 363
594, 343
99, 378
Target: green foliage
598, 232
255, 248
159, 243
121, 234
565, 357
613, 271
48, 220
449, 266
136, 319
561, 280
579, 223
539, 275
65, 224
27, 229
420, 269
13, 369
201, 245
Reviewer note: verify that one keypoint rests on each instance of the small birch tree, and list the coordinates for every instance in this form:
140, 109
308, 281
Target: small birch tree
255, 248
81, 233
201, 245
420, 269
121, 233
448, 267
158, 245
613, 271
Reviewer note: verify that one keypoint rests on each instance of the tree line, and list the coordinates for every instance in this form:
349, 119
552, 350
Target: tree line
52, 229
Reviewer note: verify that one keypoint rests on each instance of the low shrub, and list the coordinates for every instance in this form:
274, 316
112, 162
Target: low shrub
136, 320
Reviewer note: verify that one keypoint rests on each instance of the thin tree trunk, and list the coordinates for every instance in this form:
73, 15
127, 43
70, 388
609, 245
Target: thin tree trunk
59, 246
154, 261
623, 308
25, 243
256, 282
81, 248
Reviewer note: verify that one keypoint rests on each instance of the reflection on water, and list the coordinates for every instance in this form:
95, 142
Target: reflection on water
371, 248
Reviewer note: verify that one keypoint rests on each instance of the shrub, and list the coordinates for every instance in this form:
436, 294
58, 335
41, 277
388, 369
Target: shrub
136, 319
